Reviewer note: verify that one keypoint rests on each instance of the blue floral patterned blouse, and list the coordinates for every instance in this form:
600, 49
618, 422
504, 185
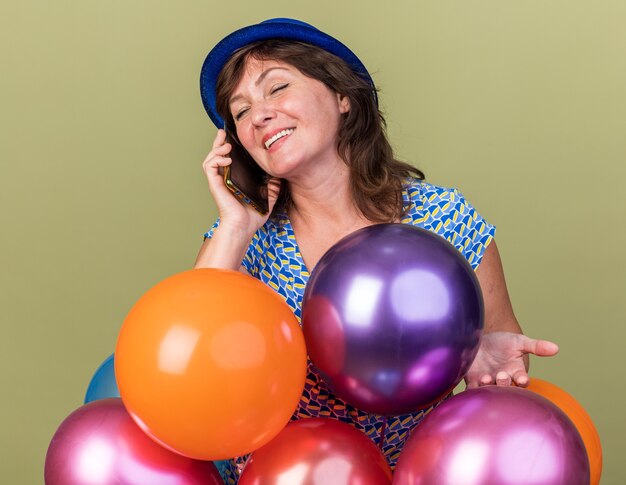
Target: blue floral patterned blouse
274, 258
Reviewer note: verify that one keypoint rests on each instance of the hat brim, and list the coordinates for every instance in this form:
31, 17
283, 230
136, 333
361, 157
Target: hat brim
271, 29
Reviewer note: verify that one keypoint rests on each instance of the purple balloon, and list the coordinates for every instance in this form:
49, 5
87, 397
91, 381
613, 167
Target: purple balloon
100, 444
494, 436
392, 317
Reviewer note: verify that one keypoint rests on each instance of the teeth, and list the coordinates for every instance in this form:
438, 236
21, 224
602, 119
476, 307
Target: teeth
277, 137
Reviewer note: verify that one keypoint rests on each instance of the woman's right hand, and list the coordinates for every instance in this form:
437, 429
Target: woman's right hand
234, 213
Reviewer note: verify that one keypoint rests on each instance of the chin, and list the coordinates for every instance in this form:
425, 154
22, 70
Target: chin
282, 169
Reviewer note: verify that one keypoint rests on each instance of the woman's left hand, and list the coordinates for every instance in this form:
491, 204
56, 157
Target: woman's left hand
502, 359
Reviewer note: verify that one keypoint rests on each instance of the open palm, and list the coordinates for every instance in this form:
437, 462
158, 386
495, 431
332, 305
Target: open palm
502, 359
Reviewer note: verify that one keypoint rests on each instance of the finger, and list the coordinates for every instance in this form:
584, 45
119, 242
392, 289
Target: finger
486, 380
274, 187
213, 166
220, 138
520, 378
471, 382
220, 151
542, 348
222, 161
503, 378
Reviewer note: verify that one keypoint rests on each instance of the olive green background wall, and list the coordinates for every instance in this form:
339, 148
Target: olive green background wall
520, 104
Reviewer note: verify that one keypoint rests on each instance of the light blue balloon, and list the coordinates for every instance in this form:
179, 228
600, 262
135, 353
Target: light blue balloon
103, 383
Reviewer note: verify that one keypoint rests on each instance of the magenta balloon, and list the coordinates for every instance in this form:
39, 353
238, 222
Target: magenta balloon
494, 436
100, 444
392, 317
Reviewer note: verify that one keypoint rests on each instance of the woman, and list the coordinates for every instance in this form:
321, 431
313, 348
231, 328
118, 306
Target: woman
305, 108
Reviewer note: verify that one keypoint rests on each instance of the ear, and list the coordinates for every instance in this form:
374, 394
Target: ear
343, 102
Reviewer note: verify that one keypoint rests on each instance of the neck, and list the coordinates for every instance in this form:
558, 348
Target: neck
325, 197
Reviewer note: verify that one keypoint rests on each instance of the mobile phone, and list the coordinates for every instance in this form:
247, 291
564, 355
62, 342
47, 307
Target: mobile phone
245, 179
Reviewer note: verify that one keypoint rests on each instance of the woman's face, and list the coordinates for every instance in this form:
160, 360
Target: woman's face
288, 122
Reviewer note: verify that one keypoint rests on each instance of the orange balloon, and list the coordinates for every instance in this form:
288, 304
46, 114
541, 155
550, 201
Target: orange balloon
577, 414
211, 363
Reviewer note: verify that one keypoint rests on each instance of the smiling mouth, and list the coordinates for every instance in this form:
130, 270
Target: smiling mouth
278, 136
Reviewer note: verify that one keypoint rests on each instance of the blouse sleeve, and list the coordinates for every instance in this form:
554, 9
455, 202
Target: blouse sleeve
209, 233
468, 231
446, 212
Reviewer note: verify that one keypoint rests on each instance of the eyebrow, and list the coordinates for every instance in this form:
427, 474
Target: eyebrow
257, 82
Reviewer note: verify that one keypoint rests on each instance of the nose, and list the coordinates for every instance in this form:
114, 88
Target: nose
261, 113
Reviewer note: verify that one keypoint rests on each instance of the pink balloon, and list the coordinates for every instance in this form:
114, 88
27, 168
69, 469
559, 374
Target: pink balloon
100, 444
494, 436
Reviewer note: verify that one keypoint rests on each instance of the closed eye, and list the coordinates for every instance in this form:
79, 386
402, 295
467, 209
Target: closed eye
275, 89
240, 113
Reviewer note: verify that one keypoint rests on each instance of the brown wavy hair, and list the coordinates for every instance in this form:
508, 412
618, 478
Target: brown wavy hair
376, 177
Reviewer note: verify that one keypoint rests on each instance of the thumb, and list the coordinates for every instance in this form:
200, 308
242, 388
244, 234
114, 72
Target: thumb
542, 348
273, 191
